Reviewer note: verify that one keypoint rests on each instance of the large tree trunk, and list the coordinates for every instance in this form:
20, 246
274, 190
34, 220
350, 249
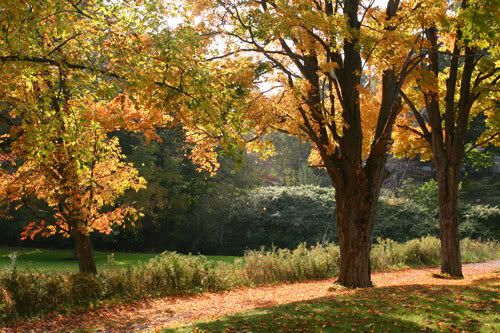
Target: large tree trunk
355, 213
83, 247
448, 221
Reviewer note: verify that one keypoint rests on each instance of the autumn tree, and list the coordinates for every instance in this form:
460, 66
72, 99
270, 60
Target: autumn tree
455, 87
70, 177
333, 74
62, 102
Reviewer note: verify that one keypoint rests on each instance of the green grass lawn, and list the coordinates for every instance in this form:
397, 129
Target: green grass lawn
413, 308
62, 260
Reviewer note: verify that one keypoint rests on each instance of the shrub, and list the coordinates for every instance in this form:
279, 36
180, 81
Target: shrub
480, 221
33, 293
424, 251
283, 265
7, 306
477, 251
172, 273
402, 219
288, 216
84, 288
425, 194
29, 293
284, 217
386, 254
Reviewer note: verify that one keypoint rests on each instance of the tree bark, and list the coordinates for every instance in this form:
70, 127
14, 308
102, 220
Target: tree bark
83, 246
75, 254
354, 211
448, 221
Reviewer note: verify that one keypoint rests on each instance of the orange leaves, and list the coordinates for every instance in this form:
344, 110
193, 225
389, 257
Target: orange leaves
5, 179
407, 143
117, 217
74, 168
38, 227
388, 40
328, 67
203, 151
124, 113
222, 110
426, 81
315, 159
306, 43
32, 229
460, 30
103, 68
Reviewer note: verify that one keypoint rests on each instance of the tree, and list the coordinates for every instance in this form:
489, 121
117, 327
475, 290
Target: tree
454, 88
333, 71
71, 176
59, 157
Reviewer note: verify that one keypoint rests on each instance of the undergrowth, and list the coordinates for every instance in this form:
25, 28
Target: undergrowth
25, 293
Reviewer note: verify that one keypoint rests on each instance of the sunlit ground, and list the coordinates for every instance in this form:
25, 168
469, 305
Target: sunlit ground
472, 308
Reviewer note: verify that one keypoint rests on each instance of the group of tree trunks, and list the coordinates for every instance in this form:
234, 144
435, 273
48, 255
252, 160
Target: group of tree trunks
357, 172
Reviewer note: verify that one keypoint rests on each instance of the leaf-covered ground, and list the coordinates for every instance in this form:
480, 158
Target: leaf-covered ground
403, 301
413, 308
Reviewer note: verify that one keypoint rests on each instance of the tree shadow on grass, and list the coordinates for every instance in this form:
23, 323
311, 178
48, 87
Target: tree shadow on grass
413, 308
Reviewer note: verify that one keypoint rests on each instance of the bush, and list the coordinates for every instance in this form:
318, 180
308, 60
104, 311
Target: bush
388, 254
477, 251
34, 293
283, 265
24, 293
480, 221
84, 288
425, 251
171, 273
425, 195
284, 217
402, 219
288, 216
229, 220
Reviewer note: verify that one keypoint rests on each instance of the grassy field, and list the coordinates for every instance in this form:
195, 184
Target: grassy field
62, 260
407, 308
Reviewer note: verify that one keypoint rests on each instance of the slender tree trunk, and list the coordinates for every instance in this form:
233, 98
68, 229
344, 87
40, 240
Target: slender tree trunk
83, 246
448, 221
354, 224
